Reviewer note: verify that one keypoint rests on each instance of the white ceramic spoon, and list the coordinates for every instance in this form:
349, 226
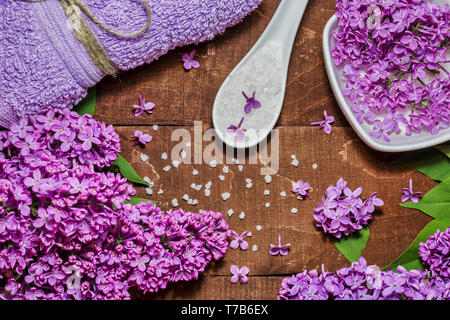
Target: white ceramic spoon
274, 49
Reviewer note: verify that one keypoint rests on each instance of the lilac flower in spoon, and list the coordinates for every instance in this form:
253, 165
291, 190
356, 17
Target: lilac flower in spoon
239, 241
410, 195
325, 124
240, 132
142, 138
189, 61
252, 103
239, 274
279, 249
143, 106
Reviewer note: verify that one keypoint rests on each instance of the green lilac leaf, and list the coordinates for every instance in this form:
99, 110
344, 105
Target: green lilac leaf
135, 201
409, 259
87, 105
352, 246
436, 203
431, 162
444, 148
127, 171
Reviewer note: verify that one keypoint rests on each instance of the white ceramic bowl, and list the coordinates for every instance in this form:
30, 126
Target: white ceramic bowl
399, 142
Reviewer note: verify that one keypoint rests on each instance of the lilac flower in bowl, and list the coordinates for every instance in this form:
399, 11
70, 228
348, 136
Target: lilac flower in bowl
386, 77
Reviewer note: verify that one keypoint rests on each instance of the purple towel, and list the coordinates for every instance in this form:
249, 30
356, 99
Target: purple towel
43, 65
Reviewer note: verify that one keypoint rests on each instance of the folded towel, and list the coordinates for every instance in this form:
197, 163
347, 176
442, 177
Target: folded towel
43, 65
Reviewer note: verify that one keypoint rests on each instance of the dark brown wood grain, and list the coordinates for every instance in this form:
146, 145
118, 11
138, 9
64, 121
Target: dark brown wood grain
184, 97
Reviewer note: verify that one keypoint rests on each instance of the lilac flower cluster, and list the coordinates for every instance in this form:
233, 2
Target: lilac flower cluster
343, 211
362, 282
392, 53
66, 229
435, 253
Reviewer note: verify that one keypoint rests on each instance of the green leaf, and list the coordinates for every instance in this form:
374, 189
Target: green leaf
444, 148
135, 201
127, 171
410, 258
352, 246
87, 105
430, 162
436, 203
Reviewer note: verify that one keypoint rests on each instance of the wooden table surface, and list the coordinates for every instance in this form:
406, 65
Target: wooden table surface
184, 97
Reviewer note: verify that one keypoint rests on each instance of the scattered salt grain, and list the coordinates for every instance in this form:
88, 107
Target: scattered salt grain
175, 202
299, 197
221, 177
240, 167
207, 192
225, 169
175, 163
160, 191
213, 164
166, 168
267, 204
226, 196
195, 172
266, 192
230, 212
315, 166
149, 191
147, 179
144, 157
255, 248
258, 227
164, 156
249, 234
242, 215
155, 127
235, 161
185, 197
295, 162
268, 179
293, 156
208, 185
294, 210
194, 202
283, 193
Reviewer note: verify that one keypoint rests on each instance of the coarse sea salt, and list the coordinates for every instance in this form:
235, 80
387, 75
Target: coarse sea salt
230, 212
221, 177
262, 73
175, 163
149, 191
268, 179
294, 210
226, 196
266, 192
155, 127
249, 234
213, 164
258, 227
225, 169
175, 203
295, 163
314, 166
167, 168
240, 167
242, 215
255, 247
283, 193
207, 192
164, 156
144, 157
194, 172
267, 204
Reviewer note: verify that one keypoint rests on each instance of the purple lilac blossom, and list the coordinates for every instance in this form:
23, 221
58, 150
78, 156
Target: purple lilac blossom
189, 62
251, 103
343, 211
326, 123
143, 107
63, 221
362, 282
435, 253
392, 59
410, 195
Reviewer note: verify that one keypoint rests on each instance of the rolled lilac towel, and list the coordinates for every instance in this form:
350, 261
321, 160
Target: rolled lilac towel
43, 65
